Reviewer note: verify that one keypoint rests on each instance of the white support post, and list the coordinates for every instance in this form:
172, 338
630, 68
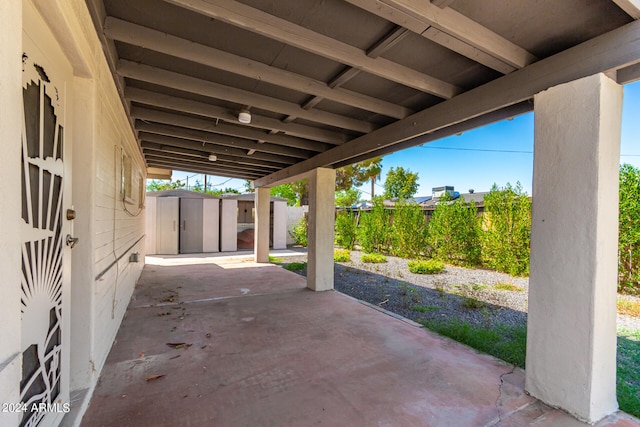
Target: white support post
279, 225
571, 340
322, 183
261, 232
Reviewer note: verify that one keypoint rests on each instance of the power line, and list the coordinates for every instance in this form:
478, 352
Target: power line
478, 149
500, 151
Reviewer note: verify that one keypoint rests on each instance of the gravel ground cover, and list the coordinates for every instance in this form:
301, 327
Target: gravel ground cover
476, 296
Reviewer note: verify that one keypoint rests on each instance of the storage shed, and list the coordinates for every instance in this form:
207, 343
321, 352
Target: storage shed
183, 222
246, 220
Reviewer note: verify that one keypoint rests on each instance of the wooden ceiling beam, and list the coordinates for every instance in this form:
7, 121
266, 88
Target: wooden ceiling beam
214, 148
225, 129
156, 99
384, 44
420, 15
179, 81
611, 51
628, 74
465, 49
631, 7
202, 136
254, 20
161, 155
442, 3
158, 41
201, 155
189, 167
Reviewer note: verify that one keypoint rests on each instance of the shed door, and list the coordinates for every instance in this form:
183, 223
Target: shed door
167, 209
45, 256
190, 226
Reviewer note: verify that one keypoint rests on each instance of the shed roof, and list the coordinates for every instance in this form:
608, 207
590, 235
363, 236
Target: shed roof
185, 194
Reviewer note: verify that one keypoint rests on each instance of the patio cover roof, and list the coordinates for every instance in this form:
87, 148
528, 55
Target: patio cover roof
332, 82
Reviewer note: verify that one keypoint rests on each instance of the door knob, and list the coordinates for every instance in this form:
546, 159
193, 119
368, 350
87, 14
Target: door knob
71, 241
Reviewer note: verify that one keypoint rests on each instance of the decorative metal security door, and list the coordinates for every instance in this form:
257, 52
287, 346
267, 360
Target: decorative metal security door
43, 369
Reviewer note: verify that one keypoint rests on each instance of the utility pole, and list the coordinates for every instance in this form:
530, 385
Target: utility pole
373, 185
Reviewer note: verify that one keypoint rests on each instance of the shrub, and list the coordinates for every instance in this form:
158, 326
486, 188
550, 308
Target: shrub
374, 231
430, 266
509, 287
628, 307
470, 302
425, 308
507, 225
341, 255
373, 258
346, 230
629, 238
409, 230
454, 232
299, 232
295, 266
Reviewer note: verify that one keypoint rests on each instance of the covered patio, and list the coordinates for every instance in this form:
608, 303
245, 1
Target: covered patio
227, 342
273, 92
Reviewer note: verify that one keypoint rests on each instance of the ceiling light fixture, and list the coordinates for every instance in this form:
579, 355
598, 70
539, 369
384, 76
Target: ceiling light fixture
244, 116
213, 158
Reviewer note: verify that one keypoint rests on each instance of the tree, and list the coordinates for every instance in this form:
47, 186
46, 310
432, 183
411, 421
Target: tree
197, 187
629, 239
162, 185
358, 173
294, 192
454, 232
347, 198
408, 230
286, 192
374, 232
507, 225
400, 183
227, 190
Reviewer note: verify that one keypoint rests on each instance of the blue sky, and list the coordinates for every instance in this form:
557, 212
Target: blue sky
498, 153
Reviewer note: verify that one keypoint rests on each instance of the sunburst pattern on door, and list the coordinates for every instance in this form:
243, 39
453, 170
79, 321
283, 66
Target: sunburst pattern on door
42, 174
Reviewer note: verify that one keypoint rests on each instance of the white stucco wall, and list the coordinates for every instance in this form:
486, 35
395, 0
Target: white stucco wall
294, 215
10, 131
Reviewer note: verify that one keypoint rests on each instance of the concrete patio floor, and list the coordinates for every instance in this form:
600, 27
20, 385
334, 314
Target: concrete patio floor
222, 341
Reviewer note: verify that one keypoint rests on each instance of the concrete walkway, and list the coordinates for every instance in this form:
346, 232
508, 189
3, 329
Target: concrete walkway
227, 342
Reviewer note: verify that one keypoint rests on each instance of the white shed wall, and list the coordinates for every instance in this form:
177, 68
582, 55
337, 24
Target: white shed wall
294, 215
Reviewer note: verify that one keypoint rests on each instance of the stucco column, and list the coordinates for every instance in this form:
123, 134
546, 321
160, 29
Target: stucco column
571, 340
322, 183
261, 232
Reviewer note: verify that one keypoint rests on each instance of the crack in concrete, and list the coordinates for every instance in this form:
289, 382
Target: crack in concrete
499, 398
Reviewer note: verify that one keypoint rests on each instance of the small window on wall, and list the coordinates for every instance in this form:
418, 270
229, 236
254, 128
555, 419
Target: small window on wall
127, 184
141, 192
